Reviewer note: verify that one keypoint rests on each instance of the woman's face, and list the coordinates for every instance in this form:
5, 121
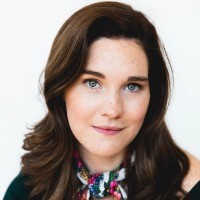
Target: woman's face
107, 104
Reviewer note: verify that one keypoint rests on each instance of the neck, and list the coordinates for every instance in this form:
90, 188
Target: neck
99, 164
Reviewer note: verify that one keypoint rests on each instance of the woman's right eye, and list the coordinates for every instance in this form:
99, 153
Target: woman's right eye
92, 83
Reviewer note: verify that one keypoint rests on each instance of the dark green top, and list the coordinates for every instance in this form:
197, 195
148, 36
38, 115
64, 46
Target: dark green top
18, 191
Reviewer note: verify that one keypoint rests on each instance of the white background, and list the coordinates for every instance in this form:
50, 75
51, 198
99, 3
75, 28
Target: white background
27, 30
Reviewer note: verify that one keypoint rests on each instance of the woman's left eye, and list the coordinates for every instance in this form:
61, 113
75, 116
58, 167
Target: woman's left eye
133, 87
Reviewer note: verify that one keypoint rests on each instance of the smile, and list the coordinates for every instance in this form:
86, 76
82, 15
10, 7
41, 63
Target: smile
106, 130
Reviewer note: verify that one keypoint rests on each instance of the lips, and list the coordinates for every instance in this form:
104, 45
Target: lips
107, 130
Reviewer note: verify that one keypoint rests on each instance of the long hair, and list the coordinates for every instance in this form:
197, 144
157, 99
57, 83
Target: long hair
160, 165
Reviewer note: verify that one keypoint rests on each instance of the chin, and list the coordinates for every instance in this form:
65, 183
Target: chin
107, 151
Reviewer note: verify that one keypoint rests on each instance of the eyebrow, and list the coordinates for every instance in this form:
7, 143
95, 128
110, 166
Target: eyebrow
100, 75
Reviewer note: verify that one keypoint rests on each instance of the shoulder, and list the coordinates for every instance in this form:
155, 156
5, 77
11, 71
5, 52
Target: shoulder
17, 190
193, 175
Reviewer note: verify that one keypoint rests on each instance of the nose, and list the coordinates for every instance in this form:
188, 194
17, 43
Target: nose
112, 106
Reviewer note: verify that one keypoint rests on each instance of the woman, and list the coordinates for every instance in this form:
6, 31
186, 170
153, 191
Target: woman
107, 88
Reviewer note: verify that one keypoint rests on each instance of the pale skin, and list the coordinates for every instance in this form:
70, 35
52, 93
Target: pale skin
116, 94
112, 91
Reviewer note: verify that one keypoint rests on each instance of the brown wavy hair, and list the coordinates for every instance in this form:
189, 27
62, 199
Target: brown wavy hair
160, 165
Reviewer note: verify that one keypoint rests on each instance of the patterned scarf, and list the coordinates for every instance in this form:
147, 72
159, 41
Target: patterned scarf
100, 185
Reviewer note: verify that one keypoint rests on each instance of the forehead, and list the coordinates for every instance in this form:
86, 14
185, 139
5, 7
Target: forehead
121, 56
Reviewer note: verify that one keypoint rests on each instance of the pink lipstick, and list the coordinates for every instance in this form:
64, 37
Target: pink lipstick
107, 130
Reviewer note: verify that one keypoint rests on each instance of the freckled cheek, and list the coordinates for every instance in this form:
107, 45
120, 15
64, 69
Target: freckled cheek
135, 110
80, 106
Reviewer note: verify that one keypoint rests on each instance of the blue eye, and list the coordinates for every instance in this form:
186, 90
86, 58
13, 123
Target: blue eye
92, 83
132, 87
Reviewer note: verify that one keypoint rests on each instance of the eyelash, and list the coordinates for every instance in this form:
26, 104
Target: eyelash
86, 81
